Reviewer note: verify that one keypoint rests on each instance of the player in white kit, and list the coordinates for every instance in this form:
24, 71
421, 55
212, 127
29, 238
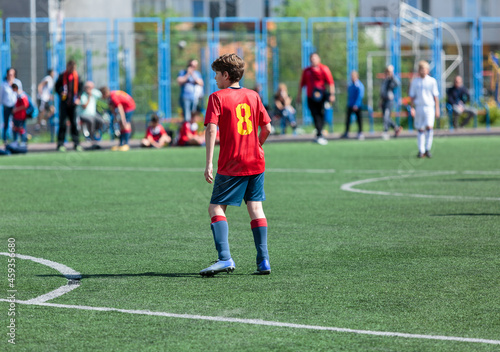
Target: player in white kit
424, 96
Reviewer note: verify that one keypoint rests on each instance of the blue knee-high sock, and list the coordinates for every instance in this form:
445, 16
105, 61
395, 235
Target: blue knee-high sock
220, 231
124, 136
259, 229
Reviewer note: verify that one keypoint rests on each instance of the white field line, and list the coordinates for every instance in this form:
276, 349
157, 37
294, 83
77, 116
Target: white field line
265, 323
350, 187
72, 274
69, 273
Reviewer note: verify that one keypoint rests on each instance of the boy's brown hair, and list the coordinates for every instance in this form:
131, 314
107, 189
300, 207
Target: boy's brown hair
232, 64
155, 119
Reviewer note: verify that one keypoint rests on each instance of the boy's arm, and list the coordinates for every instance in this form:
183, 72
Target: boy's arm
41, 85
210, 136
121, 111
438, 110
265, 131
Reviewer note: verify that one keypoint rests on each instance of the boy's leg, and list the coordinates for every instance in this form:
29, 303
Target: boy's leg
429, 134
220, 230
421, 142
259, 229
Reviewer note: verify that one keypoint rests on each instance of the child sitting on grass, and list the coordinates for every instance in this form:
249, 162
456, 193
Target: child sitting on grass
156, 136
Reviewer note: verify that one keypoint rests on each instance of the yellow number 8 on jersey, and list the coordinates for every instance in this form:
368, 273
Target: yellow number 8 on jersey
244, 123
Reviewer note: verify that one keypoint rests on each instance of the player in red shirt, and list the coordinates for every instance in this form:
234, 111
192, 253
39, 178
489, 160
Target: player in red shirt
315, 78
19, 114
188, 137
238, 112
156, 136
122, 105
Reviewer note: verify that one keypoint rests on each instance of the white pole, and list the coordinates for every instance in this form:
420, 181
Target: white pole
33, 48
369, 79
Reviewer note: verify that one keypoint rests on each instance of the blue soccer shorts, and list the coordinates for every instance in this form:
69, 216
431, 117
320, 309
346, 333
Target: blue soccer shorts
231, 190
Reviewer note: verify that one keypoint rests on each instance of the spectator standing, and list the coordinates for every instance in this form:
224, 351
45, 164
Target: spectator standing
355, 94
316, 78
190, 81
88, 112
284, 109
8, 98
68, 86
457, 96
45, 98
239, 113
122, 107
424, 97
387, 94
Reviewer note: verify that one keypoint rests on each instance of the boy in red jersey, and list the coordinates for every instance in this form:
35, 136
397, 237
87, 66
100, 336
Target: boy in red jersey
238, 112
19, 115
156, 136
188, 137
123, 106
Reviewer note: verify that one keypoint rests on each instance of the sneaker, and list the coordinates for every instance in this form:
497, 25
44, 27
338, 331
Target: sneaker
219, 266
428, 154
397, 131
115, 148
361, 137
344, 136
78, 148
420, 155
61, 148
124, 148
385, 136
263, 268
321, 141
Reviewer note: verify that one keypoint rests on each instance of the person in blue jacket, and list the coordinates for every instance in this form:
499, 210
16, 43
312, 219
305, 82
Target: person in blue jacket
355, 93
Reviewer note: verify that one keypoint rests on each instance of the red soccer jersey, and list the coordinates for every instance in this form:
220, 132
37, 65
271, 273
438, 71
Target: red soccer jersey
155, 132
316, 77
185, 134
119, 97
238, 113
22, 100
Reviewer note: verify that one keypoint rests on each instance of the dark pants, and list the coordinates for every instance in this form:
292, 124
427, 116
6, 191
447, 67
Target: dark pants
94, 124
458, 110
348, 119
386, 110
317, 109
7, 111
67, 112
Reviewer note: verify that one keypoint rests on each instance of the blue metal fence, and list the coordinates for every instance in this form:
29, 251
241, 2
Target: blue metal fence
264, 54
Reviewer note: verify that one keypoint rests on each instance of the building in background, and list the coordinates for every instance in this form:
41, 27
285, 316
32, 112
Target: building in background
211, 8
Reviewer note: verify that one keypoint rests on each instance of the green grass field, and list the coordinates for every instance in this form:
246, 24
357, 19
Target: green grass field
416, 253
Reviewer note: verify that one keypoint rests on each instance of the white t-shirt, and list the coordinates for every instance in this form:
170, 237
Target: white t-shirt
47, 88
91, 109
423, 91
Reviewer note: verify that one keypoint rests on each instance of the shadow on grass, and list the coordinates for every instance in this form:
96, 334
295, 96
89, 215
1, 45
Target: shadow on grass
474, 179
148, 274
469, 214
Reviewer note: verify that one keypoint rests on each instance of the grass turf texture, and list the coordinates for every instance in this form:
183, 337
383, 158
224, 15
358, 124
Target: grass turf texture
138, 231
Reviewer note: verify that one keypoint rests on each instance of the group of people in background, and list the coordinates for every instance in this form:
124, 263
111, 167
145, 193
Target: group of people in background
79, 100
423, 94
